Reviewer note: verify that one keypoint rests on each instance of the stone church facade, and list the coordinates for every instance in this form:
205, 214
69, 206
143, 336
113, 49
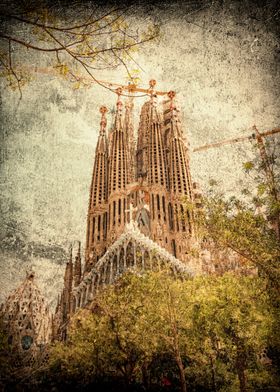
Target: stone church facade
152, 174
139, 213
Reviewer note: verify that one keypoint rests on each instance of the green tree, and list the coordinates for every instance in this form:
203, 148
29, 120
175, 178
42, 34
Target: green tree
249, 224
199, 333
232, 321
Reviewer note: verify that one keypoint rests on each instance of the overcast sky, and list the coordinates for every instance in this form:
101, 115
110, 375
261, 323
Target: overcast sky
223, 62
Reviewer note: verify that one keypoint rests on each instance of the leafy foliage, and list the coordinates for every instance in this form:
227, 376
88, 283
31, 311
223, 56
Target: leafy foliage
250, 225
154, 330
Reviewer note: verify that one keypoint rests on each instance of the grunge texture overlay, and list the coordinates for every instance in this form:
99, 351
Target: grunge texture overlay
222, 59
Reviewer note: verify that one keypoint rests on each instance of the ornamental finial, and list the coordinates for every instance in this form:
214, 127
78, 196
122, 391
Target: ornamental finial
171, 94
119, 102
103, 110
152, 83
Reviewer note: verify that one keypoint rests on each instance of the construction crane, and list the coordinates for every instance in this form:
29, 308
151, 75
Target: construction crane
258, 136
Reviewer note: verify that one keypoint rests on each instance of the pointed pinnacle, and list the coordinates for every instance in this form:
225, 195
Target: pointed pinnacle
119, 103
171, 96
152, 83
103, 110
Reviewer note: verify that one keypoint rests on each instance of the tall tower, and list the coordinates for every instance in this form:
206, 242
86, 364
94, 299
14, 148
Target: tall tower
97, 212
119, 174
151, 168
164, 173
180, 215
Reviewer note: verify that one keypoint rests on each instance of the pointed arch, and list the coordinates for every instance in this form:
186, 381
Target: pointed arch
139, 257
122, 261
130, 255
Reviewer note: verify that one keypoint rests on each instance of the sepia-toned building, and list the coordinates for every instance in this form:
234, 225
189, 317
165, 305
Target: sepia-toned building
140, 212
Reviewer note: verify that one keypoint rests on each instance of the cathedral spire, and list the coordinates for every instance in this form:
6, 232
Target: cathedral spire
119, 110
119, 172
97, 215
129, 134
175, 116
180, 217
154, 116
180, 178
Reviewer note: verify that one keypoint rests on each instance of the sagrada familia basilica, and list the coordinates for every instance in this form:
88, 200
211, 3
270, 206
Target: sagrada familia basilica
140, 217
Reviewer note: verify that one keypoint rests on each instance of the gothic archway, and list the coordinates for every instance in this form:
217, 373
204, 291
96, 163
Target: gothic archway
114, 260
139, 258
122, 261
130, 255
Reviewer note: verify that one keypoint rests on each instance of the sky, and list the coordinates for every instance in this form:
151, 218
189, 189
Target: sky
221, 58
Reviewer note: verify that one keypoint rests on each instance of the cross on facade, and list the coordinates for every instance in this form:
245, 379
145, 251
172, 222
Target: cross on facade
131, 210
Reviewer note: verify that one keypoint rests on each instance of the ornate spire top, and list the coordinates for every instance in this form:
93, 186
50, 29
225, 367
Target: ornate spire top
119, 102
153, 95
152, 84
171, 96
103, 110
173, 109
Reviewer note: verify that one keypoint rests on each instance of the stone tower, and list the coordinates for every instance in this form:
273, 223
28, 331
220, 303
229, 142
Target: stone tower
97, 220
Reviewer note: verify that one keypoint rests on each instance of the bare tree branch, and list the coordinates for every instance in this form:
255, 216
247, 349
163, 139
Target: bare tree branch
100, 42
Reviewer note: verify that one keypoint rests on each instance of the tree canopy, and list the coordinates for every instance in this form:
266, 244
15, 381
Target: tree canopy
155, 331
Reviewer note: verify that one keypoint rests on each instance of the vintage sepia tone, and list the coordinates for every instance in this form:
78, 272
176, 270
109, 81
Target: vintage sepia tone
119, 167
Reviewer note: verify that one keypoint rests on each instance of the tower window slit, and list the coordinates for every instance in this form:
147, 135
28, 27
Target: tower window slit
158, 203
173, 246
114, 213
189, 219
93, 228
163, 207
170, 216
183, 218
98, 227
105, 225
177, 217
120, 210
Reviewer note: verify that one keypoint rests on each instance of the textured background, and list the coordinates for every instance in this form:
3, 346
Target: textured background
222, 58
